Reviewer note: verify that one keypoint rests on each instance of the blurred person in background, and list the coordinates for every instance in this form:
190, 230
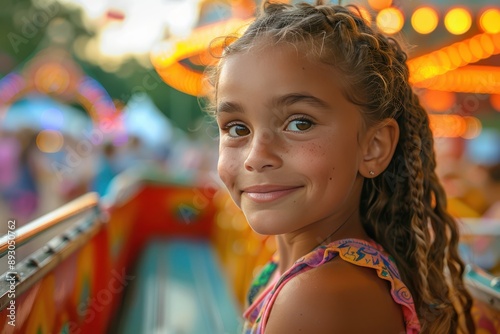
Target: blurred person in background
106, 169
131, 154
19, 188
9, 150
455, 170
491, 190
483, 249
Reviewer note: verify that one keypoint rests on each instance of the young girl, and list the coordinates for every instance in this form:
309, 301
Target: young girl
324, 145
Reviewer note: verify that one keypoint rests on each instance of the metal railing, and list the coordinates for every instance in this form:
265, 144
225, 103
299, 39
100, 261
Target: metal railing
30, 231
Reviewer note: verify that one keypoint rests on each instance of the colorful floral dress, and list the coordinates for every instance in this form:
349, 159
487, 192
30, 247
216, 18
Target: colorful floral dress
263, 291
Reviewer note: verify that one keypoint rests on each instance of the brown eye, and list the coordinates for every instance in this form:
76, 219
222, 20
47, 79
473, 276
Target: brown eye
238, 130
298, 125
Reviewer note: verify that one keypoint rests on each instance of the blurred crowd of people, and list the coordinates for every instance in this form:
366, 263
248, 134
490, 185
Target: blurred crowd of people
471, 180
470, 173
33, 183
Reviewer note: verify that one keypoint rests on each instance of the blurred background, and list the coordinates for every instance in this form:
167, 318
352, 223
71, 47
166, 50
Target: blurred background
80, 100
89, 89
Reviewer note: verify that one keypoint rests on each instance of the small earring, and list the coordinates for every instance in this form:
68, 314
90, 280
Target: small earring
372, 173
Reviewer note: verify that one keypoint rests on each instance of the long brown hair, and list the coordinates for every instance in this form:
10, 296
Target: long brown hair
404, 208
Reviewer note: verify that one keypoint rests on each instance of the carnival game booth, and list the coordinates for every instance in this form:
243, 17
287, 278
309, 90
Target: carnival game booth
155, 256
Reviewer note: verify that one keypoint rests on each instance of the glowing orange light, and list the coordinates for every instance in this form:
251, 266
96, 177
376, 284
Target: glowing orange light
204, 58
52, 78
443, 60
451, 57
465, 52
458, 21
49, 141
490, 21
426, 71
424, 20
476, 48
379, 4
364, 13
473, 127
439, 101
468, 79
166, 57
447, 125
495, 101
454, 56
183, 79
487, 44
390, 20
496, 41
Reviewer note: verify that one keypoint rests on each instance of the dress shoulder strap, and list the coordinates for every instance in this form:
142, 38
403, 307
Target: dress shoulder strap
358, 252
370, 255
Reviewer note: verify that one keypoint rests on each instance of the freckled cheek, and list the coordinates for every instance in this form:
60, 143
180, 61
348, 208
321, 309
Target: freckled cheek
315, 149
319, 160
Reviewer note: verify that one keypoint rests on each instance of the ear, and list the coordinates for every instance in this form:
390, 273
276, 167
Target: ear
378, 147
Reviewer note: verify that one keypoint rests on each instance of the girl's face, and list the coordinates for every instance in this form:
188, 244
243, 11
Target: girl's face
289, 152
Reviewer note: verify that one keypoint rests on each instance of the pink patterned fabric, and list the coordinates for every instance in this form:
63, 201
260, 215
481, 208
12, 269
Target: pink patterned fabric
355, 251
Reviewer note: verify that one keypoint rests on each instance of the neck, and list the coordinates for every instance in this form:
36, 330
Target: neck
293, 246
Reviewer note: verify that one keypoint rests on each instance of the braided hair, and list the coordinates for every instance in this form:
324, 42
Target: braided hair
404, 208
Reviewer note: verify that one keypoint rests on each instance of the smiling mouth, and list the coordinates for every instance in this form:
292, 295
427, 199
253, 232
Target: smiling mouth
268, 195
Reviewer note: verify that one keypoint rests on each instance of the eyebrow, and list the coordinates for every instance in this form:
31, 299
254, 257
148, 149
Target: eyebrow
281, 101
290, 99
228, 107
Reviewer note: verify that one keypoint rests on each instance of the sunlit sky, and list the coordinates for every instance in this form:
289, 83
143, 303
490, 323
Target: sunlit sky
132, 28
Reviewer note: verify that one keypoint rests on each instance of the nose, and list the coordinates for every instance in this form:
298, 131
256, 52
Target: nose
263, 153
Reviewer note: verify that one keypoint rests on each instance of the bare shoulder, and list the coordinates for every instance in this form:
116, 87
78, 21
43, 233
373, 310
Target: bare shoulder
337, 297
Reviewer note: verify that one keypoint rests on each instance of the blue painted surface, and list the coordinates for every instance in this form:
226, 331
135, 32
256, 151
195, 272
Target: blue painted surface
485, 281
179, 288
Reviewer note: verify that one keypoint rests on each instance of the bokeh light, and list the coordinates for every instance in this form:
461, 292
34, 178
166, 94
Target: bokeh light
454, 55
379, 4
473, 127
424, 20
365, 14
489, 21
49, 141
433, 69
476, 48
458, 21
496, 42
443, 60
390, 20
439, 101
487, 44
167, 57
52, 119
52, 78
465, 53
495, 101
475, 79
450, 126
